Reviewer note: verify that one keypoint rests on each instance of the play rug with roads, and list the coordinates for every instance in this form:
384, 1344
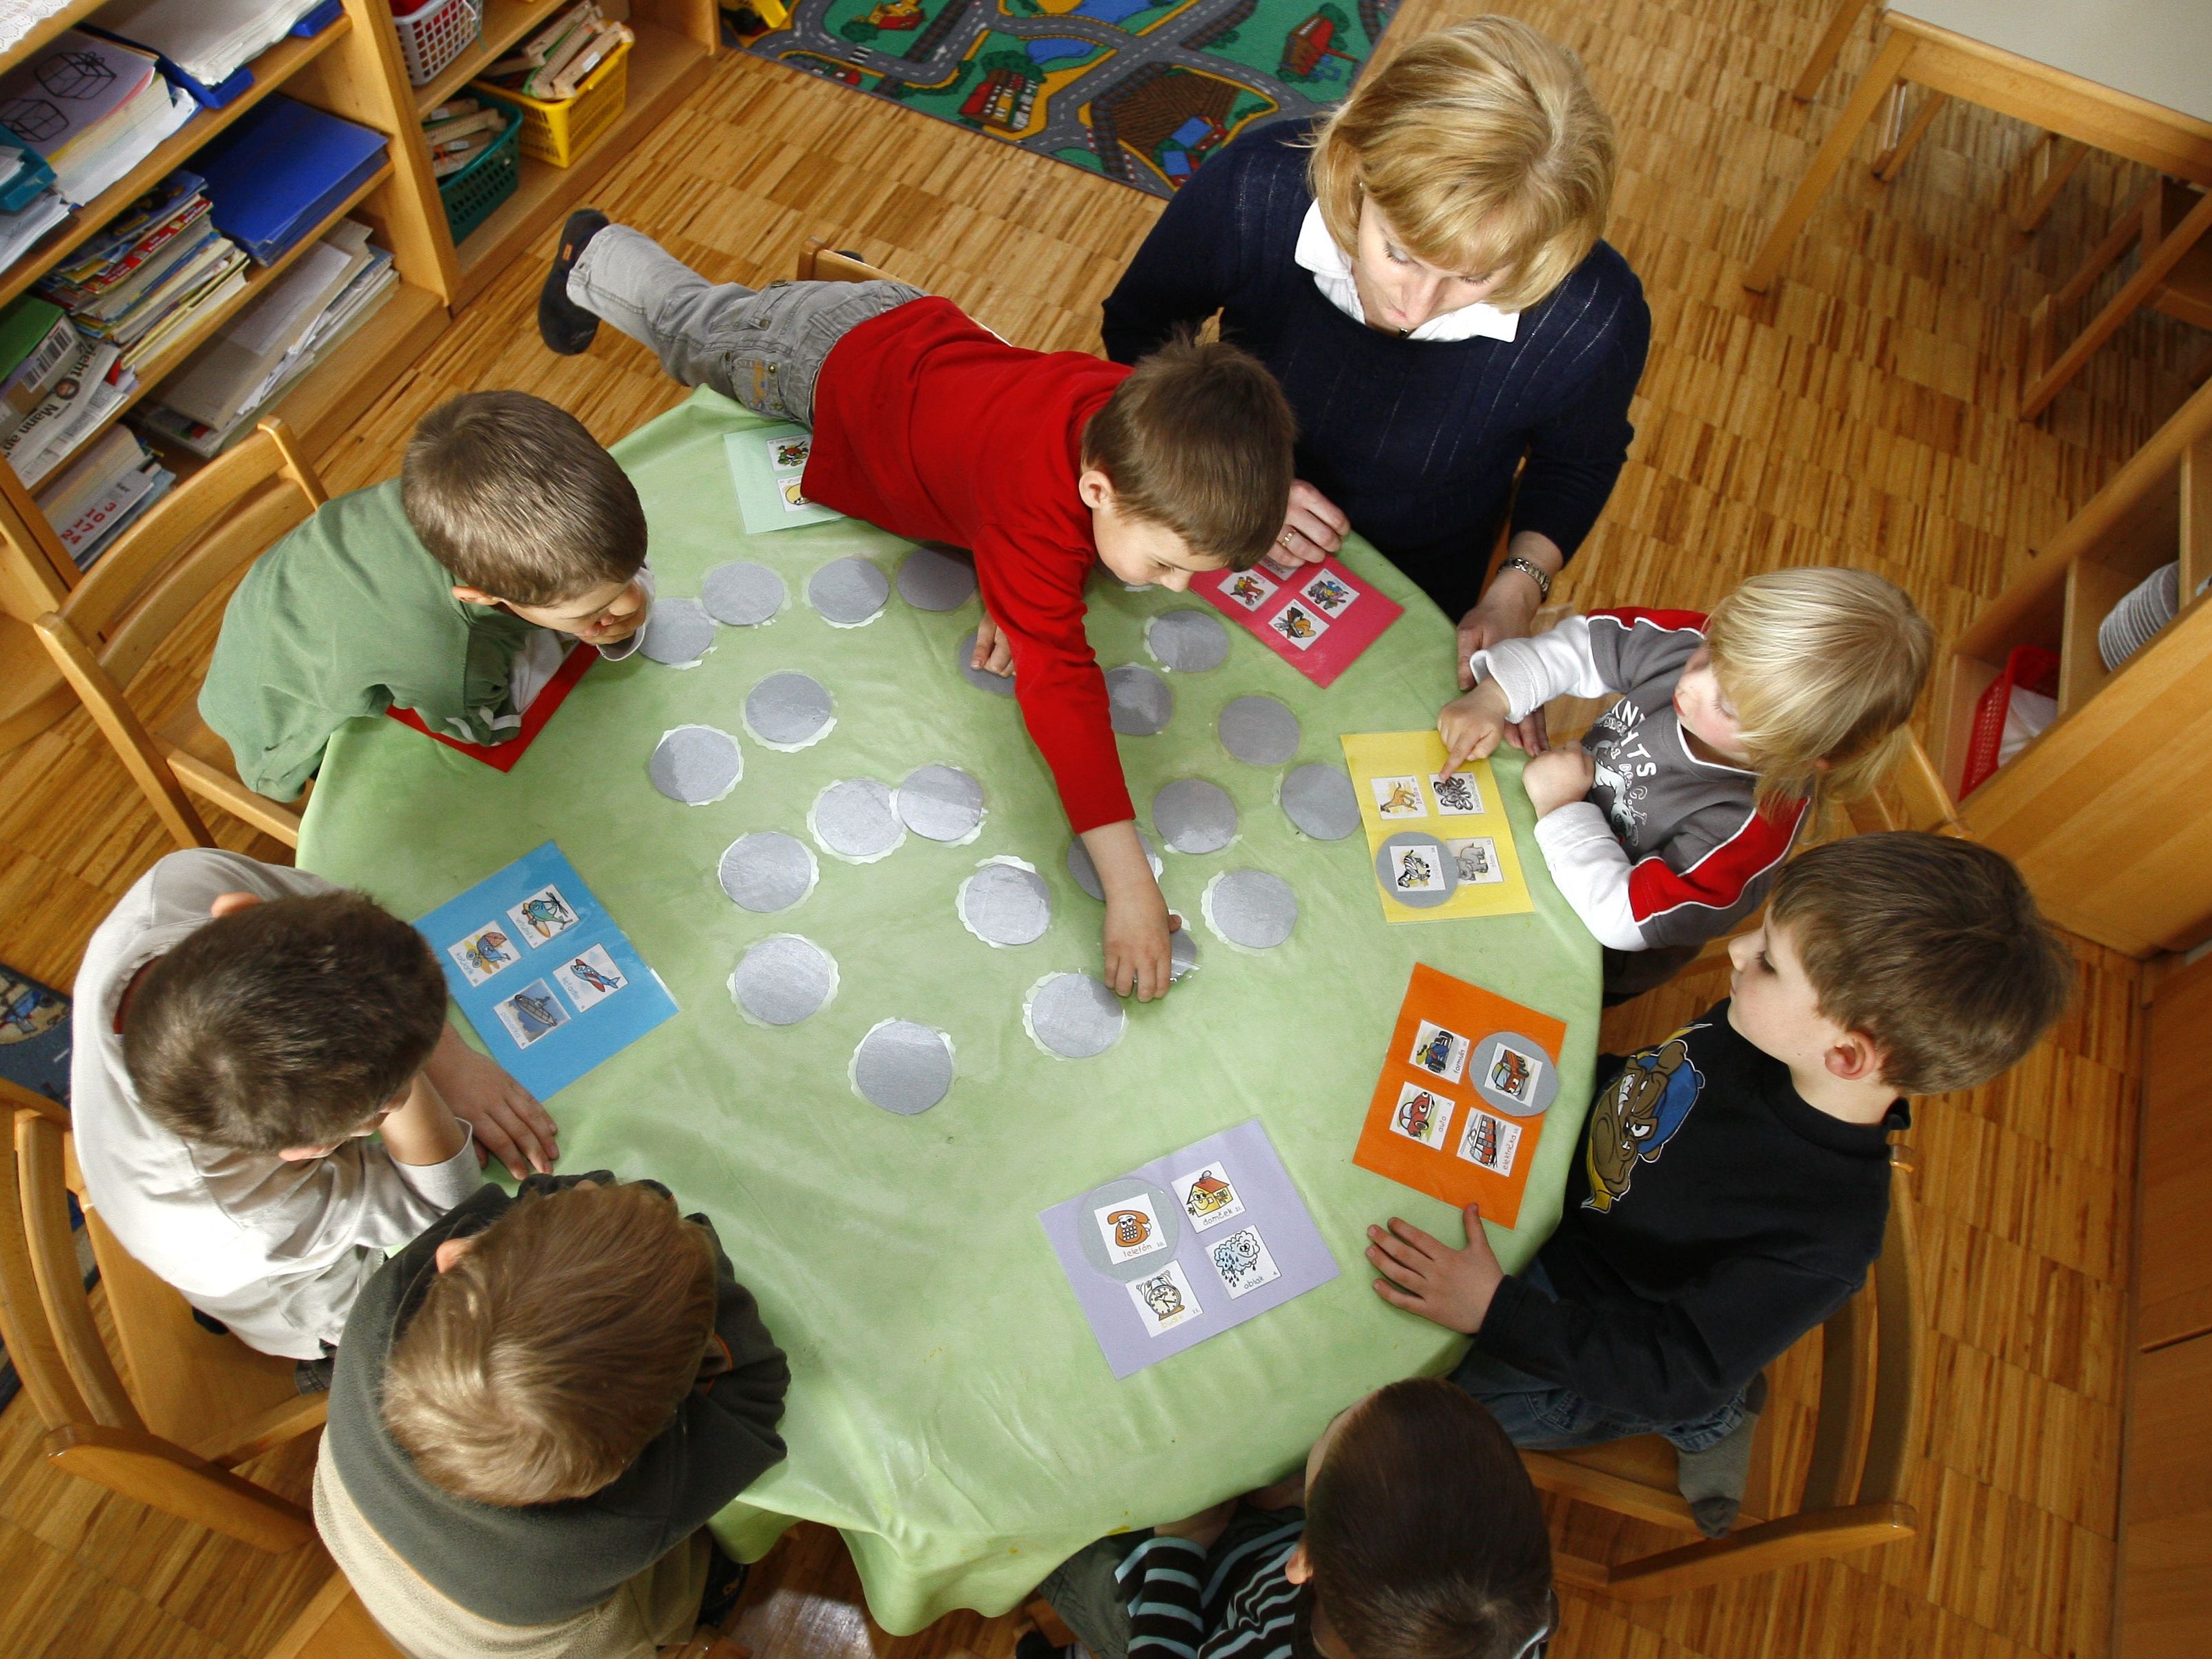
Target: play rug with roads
1140, 93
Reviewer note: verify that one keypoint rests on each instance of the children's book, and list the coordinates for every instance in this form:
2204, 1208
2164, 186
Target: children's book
1316, 617
1460, 1106
1443, 846
501, 756
550, 983
768, 467
1188, 1246
34, 1034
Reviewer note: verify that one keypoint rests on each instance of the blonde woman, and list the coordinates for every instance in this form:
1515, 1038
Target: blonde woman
1423, 272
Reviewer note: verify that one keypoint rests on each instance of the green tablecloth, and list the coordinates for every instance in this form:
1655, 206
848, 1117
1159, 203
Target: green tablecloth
950, 1411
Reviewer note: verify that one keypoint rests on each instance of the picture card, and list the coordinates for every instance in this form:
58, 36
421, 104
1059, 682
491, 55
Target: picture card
768, 467
1209, 1277
1442, 845
542, 971
1457, 795
1476, 859
1130, 1228
1445, 1132
1317, 617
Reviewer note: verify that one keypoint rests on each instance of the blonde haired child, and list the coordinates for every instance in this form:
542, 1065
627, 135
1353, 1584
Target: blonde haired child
1666, 824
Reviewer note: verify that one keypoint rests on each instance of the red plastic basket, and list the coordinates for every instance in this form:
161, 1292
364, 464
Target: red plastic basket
2027, 668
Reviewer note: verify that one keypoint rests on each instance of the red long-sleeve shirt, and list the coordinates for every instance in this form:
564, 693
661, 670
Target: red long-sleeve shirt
930, 425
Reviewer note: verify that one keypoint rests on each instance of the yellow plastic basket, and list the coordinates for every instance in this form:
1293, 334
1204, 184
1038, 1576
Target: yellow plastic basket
560, 132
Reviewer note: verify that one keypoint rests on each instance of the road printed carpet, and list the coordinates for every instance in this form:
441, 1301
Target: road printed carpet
1141, 93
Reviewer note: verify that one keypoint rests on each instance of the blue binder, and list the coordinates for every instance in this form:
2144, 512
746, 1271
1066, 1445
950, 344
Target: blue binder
281, 170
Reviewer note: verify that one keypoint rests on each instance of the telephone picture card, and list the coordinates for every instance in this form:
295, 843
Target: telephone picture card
550, 983
1316, 617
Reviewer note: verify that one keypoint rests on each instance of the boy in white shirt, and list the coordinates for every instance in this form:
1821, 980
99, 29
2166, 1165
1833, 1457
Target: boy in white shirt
242, 1028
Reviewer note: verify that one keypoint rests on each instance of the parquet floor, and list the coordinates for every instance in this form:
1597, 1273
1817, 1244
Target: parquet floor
1861, 414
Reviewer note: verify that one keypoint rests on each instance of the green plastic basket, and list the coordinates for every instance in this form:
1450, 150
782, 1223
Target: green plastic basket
470, 195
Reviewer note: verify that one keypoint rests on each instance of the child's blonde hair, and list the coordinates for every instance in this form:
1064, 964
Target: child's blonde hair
1823, 667
1483, 146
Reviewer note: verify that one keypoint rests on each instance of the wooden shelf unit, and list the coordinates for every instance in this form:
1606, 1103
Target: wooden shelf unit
2103, 810
505, 24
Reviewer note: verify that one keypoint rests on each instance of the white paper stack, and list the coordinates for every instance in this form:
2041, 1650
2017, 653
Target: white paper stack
100, 497
209, 39
74, 398
92, 108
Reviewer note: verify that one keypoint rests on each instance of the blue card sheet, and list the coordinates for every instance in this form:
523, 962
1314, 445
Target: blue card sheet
551, 985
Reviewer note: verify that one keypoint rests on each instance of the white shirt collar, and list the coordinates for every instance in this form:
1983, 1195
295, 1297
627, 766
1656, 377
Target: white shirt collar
1318, 252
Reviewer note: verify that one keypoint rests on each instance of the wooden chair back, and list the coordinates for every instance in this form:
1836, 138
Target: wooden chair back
2170, 228
1853, 1496
204, 1403
820, 263
190, 546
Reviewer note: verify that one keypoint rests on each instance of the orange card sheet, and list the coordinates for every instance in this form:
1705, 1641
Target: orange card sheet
1463, 1095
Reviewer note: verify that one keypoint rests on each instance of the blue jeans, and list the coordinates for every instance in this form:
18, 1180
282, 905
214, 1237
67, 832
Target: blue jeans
1542, 1417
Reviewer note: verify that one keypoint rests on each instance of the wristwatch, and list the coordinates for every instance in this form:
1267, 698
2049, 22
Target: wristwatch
1528, 568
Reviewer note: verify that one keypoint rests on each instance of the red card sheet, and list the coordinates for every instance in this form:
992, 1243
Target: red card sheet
1316, 617
1464, 1095
501, 756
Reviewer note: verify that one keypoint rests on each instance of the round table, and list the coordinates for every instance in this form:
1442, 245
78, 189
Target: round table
949, 1410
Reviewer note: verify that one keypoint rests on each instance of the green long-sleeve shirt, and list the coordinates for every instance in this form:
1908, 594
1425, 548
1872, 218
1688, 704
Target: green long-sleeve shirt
349, 615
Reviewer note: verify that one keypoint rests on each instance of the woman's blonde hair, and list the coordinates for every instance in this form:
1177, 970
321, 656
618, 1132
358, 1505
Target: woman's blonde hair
1822, 667
1483, 148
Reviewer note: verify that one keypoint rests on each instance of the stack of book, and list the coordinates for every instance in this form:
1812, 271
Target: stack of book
552, 63
142, 281
58, 386
208, 40
92, 108
102, 495
30, 206
225, 385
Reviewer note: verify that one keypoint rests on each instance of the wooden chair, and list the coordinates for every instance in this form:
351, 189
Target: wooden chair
2171, 226
1853, 1496
198, 1405
820, 263
1840, 24
209, 529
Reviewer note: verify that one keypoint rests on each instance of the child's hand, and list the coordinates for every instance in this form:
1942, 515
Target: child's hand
610, 632
1472, 724
1426, 1276
509, 1123
1559, 778
1139, 954
993, 653
1205, 1528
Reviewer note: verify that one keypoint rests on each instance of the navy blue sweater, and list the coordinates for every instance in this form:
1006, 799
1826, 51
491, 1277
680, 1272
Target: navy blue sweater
1416, 440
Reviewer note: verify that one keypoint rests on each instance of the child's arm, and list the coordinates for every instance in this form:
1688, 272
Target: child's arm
1138, 922
1729, 857
1514, 678
508, 1122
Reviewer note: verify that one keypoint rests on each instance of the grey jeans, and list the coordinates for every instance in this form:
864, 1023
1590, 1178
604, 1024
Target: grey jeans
762, 348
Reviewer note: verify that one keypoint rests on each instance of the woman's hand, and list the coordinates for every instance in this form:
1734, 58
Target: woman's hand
1313, 525
1506, 608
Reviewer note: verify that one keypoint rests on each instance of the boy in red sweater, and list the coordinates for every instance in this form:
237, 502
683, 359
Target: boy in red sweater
1040, 464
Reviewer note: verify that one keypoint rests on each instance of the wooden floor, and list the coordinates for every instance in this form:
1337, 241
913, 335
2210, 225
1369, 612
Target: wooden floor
1861, 414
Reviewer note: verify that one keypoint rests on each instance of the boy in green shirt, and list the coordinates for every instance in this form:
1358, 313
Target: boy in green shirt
443, 591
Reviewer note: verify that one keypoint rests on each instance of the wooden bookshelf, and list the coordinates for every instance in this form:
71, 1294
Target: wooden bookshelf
505, 24
2103, 810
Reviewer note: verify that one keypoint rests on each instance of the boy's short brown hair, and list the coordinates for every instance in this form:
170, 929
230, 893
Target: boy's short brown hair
1424, 1533
544, 1361
1197, 439
290, 1023
1931, 945
515, 498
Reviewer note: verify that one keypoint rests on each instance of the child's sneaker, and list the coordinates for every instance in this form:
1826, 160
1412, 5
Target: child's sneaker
564, 325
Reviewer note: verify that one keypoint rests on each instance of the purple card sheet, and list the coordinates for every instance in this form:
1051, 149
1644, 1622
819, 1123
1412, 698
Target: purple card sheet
1188, 1246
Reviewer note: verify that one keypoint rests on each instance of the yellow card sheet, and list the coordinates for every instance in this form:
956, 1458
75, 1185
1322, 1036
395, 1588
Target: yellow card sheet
1443, 848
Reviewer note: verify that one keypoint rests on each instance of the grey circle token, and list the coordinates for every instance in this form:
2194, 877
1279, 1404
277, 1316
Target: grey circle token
1114, 1195
940, 803
1250, 907
1139, 700
1416, 870
1074, 1016
1259, 730
1086, 873
998, 685
1005, 904
848, 591
1188, 641
1183, 954
767, 871
1194, 816
679, 632
696, 764
930, 579
742, 593
790, 710
902, 1067
854, 819
1514, 1073
783, 979
1319, 801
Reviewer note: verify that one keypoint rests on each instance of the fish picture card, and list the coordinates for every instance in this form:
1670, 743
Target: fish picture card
1462, 1100
768, 469
501, 756
1443, 846
541, 970
1316, 617
1154, 1266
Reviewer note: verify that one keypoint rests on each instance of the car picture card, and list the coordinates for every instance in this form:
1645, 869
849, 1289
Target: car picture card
1186, 1246
1443, 846
550, 983
1461, 1101
1316, 617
